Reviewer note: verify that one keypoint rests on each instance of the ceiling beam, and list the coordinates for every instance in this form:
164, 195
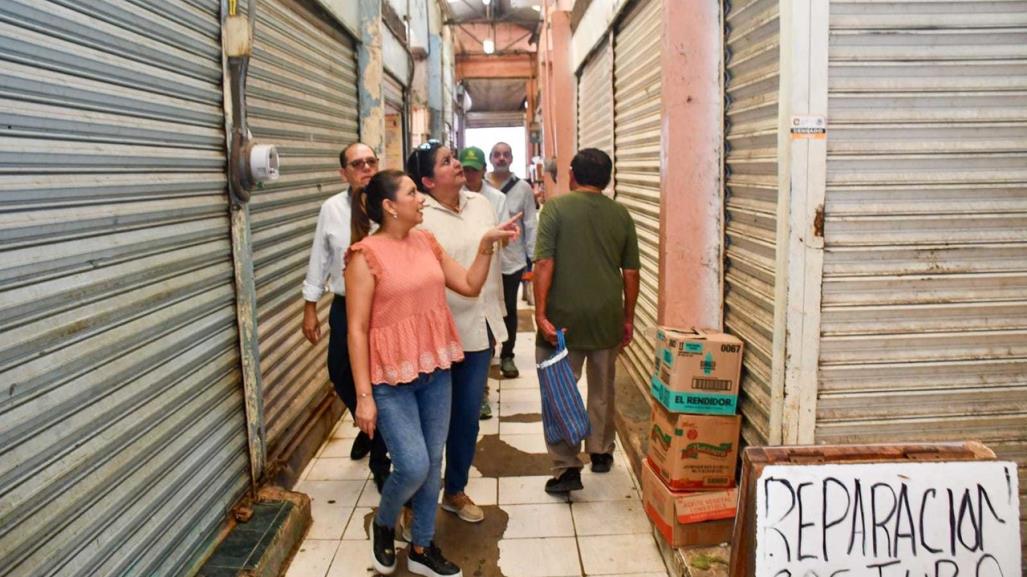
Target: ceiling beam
522, 22
495, 66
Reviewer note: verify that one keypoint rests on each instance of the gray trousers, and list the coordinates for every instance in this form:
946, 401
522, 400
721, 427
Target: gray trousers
601, 367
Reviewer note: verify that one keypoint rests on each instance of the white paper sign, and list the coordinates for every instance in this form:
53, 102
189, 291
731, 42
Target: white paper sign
955, 519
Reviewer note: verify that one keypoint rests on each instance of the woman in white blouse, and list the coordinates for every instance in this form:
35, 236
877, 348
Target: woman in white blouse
458, 219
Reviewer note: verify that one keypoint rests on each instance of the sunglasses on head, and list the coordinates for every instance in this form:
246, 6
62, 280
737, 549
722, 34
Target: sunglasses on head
419, 161
360, 163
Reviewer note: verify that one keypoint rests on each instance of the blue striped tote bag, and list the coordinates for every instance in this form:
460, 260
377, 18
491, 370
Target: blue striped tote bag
564, 417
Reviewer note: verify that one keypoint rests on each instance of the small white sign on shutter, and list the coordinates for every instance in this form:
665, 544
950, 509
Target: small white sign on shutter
957, 519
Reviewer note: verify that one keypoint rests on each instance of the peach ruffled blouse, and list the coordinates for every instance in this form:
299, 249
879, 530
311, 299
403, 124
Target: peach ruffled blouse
411, 330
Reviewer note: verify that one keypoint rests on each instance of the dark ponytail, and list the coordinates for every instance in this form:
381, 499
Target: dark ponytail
359, 222
383, 185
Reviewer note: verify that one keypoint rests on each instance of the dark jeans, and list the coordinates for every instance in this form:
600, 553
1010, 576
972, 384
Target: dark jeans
469, 378
413, 417
511, 284
342, 377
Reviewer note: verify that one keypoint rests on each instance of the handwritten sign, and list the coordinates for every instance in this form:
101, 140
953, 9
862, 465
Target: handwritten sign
956, 519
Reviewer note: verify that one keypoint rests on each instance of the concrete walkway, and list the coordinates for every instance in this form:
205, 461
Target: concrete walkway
601, 530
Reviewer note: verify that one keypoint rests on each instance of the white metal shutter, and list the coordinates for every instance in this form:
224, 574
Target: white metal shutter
122, 430
302, 97
637, 161
752, 42
595, 102
924, 314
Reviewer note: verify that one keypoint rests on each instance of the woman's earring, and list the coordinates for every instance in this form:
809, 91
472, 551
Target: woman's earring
394, 215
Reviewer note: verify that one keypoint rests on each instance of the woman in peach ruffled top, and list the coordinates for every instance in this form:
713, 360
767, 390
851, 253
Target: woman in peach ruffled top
402, 342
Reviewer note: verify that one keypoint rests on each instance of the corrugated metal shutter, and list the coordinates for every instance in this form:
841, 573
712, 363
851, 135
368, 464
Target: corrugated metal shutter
637, 161
490, 119
924, 314
122, 430
595, 102
395, 108
392, 90
302, 97
752, 41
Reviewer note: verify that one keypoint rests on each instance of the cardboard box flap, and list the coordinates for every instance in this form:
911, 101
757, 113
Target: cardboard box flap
679, 337
696, 333
706, 506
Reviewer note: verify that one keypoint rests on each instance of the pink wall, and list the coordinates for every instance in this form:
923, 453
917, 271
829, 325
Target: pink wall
691, 223
558, 97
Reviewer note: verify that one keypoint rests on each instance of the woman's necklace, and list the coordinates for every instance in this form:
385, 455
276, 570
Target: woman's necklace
454, 207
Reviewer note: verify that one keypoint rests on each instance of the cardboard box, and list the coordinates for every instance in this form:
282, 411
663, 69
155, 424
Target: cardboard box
687, 519
697, 371
693, 452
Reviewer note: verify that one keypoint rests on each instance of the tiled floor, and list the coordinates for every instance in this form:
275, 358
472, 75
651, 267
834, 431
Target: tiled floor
601, 530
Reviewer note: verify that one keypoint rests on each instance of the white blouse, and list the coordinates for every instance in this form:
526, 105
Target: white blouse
460, 233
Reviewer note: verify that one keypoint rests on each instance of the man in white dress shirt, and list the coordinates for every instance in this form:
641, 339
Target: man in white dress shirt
333, 235
519, 198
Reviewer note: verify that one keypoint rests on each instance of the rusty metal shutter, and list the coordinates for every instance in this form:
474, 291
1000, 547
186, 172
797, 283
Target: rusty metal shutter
395, 123
751, 43
122, 430
924, 307
637, 114
302, 96
595, 102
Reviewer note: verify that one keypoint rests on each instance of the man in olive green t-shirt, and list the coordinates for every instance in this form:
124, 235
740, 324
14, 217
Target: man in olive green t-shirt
586, 282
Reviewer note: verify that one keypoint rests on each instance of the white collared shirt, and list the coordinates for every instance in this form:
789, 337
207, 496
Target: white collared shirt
520, 199
331, 239
495, 197
460, 234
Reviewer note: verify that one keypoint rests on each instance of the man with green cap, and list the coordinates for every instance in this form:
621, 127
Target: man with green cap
472, 159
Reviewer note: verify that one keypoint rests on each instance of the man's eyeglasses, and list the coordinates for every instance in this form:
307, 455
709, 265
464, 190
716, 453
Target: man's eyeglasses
360, 163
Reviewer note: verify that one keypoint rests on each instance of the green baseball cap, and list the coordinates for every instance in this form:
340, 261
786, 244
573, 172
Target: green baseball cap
472, 157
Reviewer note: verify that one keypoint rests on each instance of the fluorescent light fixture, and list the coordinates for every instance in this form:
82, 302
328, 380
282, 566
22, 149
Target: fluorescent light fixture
488, 45
486, 2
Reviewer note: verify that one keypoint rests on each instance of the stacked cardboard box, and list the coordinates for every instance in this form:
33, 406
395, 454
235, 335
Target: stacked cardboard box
689, 478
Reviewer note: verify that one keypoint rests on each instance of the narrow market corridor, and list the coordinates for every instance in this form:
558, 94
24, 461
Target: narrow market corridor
829, 203
601, 530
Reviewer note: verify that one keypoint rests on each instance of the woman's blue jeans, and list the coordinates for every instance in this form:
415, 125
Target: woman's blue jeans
414, 420
469, 378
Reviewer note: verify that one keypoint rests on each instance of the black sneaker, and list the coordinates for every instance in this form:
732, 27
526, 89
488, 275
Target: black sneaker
361, 446
601, 462
569, 481
383, 549
431, 563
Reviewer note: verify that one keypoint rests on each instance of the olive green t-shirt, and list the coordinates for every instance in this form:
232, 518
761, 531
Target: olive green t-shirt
590, 238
